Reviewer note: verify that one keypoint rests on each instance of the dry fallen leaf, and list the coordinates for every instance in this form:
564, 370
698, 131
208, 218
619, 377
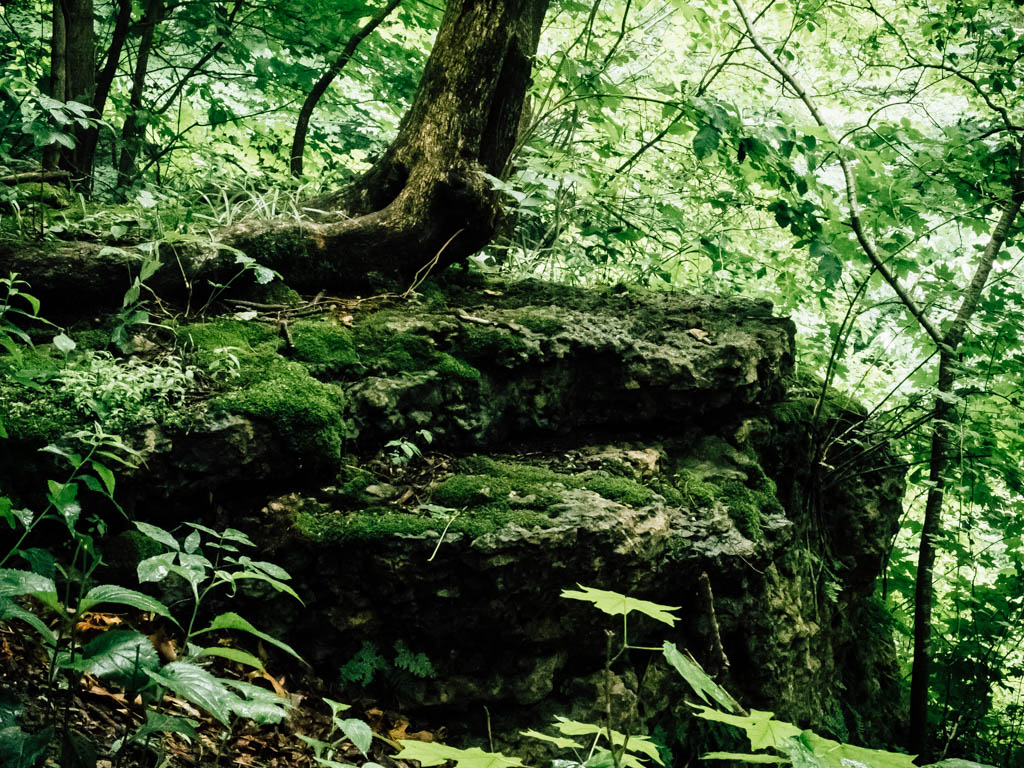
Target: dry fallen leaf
700, 335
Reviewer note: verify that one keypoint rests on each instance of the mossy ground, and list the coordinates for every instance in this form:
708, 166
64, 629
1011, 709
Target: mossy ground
481, 496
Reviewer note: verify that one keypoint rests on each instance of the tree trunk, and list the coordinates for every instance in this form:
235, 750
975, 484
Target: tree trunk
58, 76
931, 532
80, 66
321, 85
105, 79
424, 205
134, 130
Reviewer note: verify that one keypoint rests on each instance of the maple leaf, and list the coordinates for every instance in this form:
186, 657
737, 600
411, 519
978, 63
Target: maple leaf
615, 603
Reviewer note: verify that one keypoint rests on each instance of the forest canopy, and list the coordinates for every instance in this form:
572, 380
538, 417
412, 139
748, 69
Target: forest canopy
860, 164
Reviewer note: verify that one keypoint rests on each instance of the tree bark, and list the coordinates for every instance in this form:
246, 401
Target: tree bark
58, 76
104, 81
426, 202
321, 85
931, 532
133, 130
424, 205
80, 69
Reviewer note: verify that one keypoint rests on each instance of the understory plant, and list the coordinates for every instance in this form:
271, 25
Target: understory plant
53, 592
598, 745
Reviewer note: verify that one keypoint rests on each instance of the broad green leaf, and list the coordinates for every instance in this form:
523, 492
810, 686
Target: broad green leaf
706, 141
157, 722
231, 620
14, 583
111, 593
232, 654
357, 732
155, 568
832, 754
106, 476
558, 741
763, 731
614, 603
741, 757
158, 534
192, 542
11, 610
432, 753
64, 343
195, 684
122, 656
258, 704
633, 742
697, 678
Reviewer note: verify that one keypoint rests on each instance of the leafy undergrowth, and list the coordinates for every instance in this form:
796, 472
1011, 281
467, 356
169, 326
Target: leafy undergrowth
104, 715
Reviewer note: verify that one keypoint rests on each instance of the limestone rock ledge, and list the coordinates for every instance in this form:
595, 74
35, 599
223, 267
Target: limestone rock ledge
435, 472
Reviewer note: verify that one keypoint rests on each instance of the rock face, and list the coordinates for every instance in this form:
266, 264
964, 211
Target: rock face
434, 474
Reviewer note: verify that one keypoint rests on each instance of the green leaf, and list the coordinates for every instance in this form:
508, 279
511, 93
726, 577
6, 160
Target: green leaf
111, 593
231, 620
432, 753
14, 583
105, 475
830, 268
258, 704
155, 568
11, 610
232, 654
192, 542
706, 141
122, 656
558, 741
698, 679
158, 534
614, 603
157, 722
358, 733
763, 731
744, 758
832, 754
64, 343
198, 686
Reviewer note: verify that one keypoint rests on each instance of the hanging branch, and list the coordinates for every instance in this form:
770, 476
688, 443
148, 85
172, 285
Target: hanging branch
863, 238
948, 343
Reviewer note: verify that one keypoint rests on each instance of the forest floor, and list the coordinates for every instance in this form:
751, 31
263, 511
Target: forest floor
105, 715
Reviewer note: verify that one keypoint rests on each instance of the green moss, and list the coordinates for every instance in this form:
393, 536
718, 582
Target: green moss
376, 523
541, 322
452, 368
615, 488
243, 339
306, 414
274, 292
485, 343
721, 474
327, 347
352, 483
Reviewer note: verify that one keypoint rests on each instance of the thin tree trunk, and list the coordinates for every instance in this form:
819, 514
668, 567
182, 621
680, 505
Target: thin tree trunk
133, 131
105, 79
944, 413
80, 66
948, 344
321, 85
58, 75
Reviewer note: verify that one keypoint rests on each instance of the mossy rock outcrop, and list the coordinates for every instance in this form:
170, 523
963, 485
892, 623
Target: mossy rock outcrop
434, 472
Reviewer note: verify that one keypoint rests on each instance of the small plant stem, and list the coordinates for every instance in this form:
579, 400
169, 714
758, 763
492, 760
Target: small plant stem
441, 539
609, 636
